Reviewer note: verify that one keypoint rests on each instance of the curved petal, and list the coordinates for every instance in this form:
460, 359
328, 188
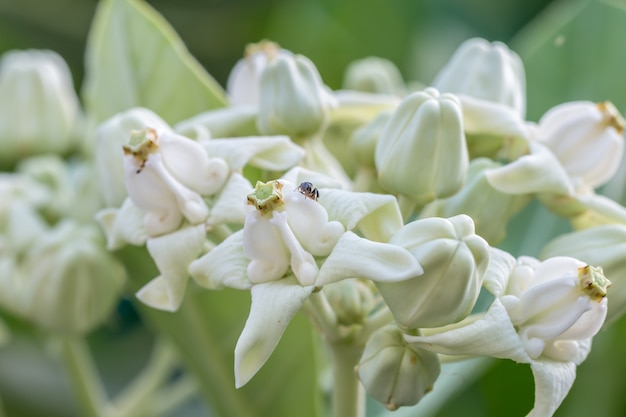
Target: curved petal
172, 254
500, 266
488, 334
275, 153
377, 216
123, 225
356, 257
224, 266
487, 117
274, 304
230, 206
539, 171
553, 380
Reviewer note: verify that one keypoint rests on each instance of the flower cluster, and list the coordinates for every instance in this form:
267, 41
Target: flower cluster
375, 210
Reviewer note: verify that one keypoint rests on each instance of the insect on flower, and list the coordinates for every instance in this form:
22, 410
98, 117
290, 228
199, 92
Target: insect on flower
308, 190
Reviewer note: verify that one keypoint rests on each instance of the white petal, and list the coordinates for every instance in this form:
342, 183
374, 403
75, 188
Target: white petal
274, 304
540, 171
297, 175
190, 164
487, 117
224, 266
263, 245
501, 265
230, 206
172, 254
309, 222
356, 257
377, 216
488, 334
553, 380
274, 153
123, 225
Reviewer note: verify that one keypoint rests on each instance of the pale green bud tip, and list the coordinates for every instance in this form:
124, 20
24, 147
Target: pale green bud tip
142, 144
266, 196
593, 282
612, 117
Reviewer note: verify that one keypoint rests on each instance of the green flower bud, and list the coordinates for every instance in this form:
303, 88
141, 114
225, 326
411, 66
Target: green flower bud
351, 300
293, 99
68, 282
486, 71
490, 209
454, 259
374, 75
38, 105
422, 152
394, 372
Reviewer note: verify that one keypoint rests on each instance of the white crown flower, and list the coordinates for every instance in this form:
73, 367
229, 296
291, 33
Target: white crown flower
296, 239
545, 314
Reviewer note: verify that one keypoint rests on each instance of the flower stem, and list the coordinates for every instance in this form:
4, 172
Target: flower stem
348, 394
84, 376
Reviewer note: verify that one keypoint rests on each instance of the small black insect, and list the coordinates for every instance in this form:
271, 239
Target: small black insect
307, 189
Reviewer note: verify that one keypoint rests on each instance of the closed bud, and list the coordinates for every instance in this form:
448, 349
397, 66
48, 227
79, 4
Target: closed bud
421, 152
374, 75
485, 71
293, 99
39, 108
362, 144
587, 138
68, 282
352, 300
395, 373
454, 259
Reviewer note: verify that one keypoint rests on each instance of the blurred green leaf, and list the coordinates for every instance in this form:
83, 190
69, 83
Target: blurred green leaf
205, 330
574, 51
134, 58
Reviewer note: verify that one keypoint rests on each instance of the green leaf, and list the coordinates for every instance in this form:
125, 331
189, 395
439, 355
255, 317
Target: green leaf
572, 51
134, 58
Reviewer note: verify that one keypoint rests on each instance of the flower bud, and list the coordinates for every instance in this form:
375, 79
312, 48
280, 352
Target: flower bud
587, 138
374, 75
293, 99
486, 71
362, 144
244, 79
110, 136
394, 372
352, 300
556, 304
68, 282
490, 209
454, 259
421, 152
38, 105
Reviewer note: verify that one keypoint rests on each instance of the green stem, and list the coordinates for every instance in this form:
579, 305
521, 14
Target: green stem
136, 399
348, 394
84, 376
172, 396
190, 331
322, 315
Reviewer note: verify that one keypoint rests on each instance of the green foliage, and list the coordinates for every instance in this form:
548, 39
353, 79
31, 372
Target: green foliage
135, 59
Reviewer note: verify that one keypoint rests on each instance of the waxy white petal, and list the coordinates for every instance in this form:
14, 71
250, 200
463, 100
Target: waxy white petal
377, 216
274, 304
488, 334
356, 257
496, 278
274, 153
226, 265
228, 208
553, 380
172, 254
123, 225
263, 244
539, 171
490, 118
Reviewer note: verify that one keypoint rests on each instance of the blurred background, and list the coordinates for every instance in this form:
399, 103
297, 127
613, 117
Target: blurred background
571, 49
